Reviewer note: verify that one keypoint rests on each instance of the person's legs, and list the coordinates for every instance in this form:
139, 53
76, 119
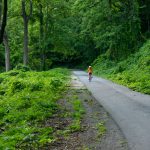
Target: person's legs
90, 76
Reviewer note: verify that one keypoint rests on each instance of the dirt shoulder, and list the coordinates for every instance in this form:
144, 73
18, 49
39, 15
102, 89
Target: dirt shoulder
92, 129
95, 114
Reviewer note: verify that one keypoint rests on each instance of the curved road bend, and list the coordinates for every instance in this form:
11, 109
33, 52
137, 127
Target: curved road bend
130, 110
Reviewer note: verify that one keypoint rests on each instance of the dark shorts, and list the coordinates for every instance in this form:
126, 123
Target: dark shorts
90, 73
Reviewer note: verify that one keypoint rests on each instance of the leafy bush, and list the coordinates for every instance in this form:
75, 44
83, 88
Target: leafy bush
22, 67
133, 72
27, 99
37, 86
1, 80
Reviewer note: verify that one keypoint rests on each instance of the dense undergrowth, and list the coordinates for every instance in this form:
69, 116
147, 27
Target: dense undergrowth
27, 98
133, 72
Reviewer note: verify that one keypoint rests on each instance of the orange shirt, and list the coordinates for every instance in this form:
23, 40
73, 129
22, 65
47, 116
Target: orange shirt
90, 70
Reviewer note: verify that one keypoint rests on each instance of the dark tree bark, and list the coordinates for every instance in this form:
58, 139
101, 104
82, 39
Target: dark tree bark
110, 2
26, 19
0, 10
7, 52
144, 13
41, 37
4, 19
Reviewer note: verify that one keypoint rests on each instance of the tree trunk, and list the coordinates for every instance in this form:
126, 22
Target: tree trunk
26, 19
25, 54
4, 19
148, 23
7, 52
0, 10
41, 38
110, 3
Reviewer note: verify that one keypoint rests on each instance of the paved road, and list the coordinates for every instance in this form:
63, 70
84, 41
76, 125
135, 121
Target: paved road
130, 110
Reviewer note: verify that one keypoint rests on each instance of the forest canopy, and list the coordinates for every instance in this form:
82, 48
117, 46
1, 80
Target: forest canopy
43, 34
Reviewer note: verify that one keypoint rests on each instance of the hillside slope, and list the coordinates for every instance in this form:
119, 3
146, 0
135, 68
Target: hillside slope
133, 72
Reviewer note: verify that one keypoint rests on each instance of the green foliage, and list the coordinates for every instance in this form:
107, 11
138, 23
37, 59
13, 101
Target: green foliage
133, 72
45, 135
102, 65
27, 99
101, 128
22, 67
77, 114
102, 29
75, 126
78, 108
75, 32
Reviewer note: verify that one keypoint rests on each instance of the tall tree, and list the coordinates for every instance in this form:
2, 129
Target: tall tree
7, 52
41, 37
3, 19
26, 18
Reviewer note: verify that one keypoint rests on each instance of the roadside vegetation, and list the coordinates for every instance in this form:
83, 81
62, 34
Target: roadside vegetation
38, 109
77, 114
101, 128
133, 72
28, 98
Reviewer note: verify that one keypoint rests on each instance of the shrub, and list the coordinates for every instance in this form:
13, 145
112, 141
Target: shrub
22, 67
26, 101
133, 72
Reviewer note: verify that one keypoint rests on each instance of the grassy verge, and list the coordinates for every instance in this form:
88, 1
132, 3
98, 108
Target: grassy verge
101, 128
26, 100
77, 114
133, 72
75, 111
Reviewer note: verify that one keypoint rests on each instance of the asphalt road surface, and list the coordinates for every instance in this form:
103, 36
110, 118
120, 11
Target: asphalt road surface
129, 109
